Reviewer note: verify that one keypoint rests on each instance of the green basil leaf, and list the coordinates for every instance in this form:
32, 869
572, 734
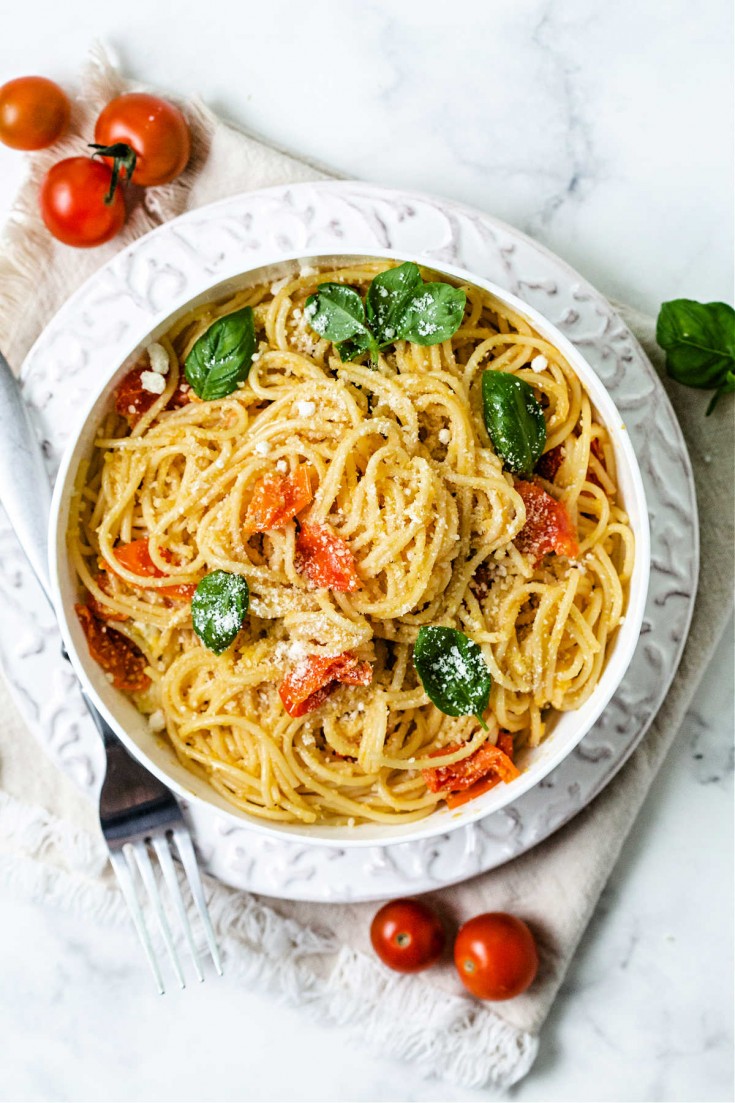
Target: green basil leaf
388, 299
400, 306
354, 347
222, 356
699, 341
434, 314
514, 420
453, 672
336, 312
218, 609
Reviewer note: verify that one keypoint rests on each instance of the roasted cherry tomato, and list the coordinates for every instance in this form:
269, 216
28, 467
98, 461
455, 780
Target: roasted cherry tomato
136, 558
115, 653
132, 400
308, 684
407, 936
73, 203
495, 955
470, 777
276, 499
548, 526
34, 112
325, 558
156, 132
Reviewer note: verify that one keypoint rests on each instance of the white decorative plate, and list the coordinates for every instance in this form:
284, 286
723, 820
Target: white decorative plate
165, 269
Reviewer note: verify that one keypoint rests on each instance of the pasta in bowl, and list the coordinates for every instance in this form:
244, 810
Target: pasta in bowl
352, 548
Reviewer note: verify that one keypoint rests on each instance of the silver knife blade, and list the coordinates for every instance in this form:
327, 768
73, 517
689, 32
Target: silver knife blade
25, 490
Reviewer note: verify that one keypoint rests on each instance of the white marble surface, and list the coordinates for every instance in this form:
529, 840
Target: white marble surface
605, 131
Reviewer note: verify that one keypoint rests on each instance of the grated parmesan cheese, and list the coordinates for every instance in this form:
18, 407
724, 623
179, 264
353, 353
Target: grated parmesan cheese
158, 358
153, 382
157, 721
279, 285
282, 466
306, 408
539, 363
444, 436
262, 447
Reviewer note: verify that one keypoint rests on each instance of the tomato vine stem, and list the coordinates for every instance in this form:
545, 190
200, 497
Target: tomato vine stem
124, 159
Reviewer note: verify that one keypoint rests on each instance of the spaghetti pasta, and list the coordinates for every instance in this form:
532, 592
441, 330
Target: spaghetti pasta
394, 463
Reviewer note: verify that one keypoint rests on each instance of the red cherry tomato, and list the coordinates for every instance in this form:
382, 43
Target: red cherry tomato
73, 203
276, 499
326, 559
136, 557
407, 936
308, 684
495, 955
115, 653
34, 112
155, 130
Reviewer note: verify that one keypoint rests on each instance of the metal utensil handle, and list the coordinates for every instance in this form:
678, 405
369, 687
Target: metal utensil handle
25, 491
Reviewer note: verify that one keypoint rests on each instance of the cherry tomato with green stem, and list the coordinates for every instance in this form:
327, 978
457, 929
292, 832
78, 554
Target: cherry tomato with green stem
74, 202
145, 138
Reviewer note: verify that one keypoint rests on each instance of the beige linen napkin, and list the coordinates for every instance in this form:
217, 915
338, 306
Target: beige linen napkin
318, 955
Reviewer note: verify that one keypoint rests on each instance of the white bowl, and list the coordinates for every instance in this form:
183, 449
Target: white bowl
158, 755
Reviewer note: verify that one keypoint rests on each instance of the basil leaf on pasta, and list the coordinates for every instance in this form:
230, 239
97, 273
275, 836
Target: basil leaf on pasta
218, 609
388, 299
337, 312
434, 314
222, 356
453, 672
514, 420
399, 306
699, 341
354, 347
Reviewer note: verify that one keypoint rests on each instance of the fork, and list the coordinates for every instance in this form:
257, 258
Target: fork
138, 813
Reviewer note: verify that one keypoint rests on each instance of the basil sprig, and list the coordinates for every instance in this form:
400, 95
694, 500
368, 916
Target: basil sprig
218, 609
222, 356
514, 420
453, 672
399, 306
699, 341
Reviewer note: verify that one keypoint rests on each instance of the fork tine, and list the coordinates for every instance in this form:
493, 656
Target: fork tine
124, 876
161, 847
149, 880
188, 858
